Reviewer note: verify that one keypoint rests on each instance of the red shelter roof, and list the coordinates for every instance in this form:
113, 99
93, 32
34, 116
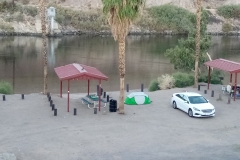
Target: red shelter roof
225, 65
79, 71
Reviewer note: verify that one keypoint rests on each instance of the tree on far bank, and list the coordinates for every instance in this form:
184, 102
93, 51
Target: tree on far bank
44, 42
120, 15
183, 55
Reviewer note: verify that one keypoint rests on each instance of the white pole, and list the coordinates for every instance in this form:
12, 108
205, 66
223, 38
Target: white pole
52, 25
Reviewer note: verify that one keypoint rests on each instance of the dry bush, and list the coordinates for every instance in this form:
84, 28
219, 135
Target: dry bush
166, 82
25, 2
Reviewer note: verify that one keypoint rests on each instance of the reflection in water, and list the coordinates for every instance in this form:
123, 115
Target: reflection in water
21, 60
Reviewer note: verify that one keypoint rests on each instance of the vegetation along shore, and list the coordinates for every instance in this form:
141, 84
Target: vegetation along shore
23, 18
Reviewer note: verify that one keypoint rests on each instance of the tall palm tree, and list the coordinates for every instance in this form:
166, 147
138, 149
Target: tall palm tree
44, 42
120, 15
198, 39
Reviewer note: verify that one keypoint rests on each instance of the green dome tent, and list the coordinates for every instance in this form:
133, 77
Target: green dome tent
137, 98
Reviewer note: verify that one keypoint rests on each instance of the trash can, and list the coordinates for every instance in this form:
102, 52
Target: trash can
113, 105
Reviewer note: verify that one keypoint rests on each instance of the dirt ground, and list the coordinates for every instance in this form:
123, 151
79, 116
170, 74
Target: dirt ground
30, 131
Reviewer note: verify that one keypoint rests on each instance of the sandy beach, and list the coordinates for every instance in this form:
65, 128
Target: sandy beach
30, 131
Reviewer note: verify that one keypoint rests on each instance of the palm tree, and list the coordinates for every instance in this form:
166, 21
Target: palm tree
199, 2
120, 15
44, 42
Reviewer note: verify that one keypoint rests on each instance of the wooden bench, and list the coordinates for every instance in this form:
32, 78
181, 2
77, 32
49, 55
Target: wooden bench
87, 102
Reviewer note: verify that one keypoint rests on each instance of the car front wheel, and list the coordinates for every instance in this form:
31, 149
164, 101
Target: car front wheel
174, 105
190, 112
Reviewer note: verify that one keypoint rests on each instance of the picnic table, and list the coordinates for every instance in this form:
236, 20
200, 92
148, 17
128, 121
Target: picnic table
93, 99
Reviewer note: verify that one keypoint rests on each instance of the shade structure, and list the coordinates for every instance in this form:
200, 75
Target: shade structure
225, 65
137, 98
77, 71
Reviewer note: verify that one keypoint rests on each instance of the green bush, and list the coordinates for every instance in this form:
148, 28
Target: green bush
153, 85
183, 79
5, 88
229, 11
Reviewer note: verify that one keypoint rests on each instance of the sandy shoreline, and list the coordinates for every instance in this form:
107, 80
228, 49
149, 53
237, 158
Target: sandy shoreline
29, 130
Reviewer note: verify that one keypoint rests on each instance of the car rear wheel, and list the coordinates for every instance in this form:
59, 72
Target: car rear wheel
174, 105
190, 112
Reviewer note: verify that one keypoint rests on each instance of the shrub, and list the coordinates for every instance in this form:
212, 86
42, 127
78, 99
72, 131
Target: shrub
229, 11
173, 18
183, 79
153, 85
5, 88
32, 11
8, 7
203, 77
19, 17
6, 27
25, 1
227, 27
166, 82
214, 79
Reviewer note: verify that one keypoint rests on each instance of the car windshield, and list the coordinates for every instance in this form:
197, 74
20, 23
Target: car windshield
197, 99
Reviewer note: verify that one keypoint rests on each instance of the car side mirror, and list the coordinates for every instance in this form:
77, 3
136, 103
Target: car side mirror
185, 101
207, 100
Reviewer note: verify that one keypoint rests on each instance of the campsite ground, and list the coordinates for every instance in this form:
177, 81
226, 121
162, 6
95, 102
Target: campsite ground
29, 130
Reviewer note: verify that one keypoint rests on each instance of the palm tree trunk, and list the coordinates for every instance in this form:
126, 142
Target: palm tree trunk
197, 41
122, 74
44, 42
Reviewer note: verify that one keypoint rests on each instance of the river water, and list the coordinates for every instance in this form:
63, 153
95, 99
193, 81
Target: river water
21, 60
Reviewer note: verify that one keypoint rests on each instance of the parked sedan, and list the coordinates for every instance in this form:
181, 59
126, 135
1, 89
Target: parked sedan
193, 103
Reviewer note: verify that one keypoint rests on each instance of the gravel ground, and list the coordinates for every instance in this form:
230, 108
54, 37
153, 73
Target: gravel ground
145, 132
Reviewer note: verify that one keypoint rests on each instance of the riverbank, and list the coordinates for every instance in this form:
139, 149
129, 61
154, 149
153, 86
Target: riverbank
78, 33
29, 130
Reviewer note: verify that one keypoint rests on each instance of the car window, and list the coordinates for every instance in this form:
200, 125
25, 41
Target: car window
185, 97
179, 96
197, 99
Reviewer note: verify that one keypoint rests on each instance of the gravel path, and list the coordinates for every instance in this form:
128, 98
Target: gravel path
29, 130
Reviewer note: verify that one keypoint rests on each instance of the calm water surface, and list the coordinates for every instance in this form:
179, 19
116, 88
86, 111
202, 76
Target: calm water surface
21, 60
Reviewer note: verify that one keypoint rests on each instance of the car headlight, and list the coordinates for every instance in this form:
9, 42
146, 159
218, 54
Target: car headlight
196, 109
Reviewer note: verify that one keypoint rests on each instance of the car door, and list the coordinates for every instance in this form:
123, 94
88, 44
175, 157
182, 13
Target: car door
185, 103
180, 101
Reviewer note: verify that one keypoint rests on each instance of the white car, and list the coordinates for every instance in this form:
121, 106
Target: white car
193, 103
